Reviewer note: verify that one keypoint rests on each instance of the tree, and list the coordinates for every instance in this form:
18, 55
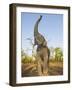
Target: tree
58, 54
33, 49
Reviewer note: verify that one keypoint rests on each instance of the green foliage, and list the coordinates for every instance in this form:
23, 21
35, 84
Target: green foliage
58, 54
27, 59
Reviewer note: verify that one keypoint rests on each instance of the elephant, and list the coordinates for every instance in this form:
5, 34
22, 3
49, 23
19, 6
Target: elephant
42, 50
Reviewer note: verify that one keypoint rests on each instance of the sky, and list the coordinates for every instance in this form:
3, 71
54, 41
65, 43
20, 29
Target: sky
51, 27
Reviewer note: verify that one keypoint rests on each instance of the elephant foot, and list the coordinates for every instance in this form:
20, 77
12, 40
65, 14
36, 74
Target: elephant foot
45, 73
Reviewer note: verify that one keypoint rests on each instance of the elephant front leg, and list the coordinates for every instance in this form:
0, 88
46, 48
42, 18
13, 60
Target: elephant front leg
45, 66
39, 69
39, 66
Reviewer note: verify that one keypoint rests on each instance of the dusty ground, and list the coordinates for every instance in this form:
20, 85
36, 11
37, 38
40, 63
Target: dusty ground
55, 68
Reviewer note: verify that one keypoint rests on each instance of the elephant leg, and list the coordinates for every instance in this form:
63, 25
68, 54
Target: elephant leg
39, 66
39, 69
45, 66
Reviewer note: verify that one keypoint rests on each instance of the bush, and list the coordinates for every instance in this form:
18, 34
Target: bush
27, 59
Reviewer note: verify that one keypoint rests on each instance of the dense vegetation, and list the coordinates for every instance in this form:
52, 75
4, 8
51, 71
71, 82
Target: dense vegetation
55, 55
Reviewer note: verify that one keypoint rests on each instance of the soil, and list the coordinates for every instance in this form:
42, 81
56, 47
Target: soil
30, 69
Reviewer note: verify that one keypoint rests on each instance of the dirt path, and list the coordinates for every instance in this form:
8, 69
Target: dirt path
55, 68
29, 70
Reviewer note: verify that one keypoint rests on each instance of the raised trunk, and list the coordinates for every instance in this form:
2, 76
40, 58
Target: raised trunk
36, 26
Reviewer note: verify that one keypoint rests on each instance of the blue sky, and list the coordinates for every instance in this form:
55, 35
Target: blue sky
51, 27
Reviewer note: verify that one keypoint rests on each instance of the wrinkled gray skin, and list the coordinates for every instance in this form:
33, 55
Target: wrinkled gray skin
42, 50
